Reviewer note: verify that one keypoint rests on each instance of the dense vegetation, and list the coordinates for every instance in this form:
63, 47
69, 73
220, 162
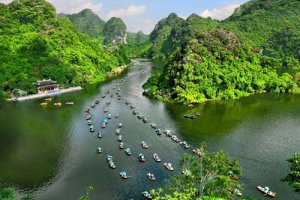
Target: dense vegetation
208, 59
115, 29
293, 177
211, 175
88, 22
37, 44
139, 45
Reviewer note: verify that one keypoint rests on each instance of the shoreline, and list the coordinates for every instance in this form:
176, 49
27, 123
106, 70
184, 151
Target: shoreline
118, 71
45, 95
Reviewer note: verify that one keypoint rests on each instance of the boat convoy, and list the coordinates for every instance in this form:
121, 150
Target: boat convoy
140, 156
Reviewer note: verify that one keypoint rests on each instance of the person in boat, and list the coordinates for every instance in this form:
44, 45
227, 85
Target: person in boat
99, 150
99, 135
147, 195
127, 151
87, 109
88, 117
145, 120
120, 138
142, 157
92, 128
89, 122
158, 131
144, 145
118, 131
105, 120
103, 125
112, 165
121, 146
151, 177
109, 158
156, 157
123, 174
120, 125
109, 116
169, 166
153, 125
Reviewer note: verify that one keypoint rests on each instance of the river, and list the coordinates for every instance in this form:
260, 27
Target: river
49, 152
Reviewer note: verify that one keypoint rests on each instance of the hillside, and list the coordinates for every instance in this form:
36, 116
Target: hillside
139, 45
88, 22
115, 30
38, 44
200, 66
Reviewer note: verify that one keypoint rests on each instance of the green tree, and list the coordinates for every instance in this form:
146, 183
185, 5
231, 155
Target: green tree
293, 178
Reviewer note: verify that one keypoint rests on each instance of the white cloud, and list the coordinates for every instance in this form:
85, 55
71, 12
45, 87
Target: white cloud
5, 1
220, 13
130, 11
94, 7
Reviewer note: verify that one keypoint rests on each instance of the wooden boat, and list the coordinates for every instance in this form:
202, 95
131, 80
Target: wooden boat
157, 131
93, 106
112, 165
156, 157
144, 145
147, 195
139, 116
69, 103
88, 117
188, 116
141, 158
103, 96
121, 145
99, 150
109, 116
99, 135
168, 133
44, 104
266, 190
103, 125
92, 128
153, 125
117, 116
128, 152
134, 112
109, 158
48, 99
105, 110
145, 120
131, 107
198, 152
184, 144
120, 125
58, 104
89, 122
119, 137
97, 102
168, 166
118, 131
175, 138
87, 109
151, 177
123, 175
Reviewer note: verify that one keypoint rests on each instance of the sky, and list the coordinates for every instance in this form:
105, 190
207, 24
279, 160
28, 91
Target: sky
144, 14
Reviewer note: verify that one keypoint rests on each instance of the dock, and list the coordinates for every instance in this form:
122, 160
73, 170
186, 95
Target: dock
46, 94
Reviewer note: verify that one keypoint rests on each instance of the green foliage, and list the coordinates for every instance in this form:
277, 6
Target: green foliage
293, 177
38, 44
88, 22
216, 64
209, 176
139, 45
87, 195
7, 194
114, 29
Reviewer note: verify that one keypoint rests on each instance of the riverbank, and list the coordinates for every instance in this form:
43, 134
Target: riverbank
45, 95
118, 70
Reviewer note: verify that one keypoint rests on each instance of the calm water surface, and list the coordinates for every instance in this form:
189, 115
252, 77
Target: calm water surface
49, 152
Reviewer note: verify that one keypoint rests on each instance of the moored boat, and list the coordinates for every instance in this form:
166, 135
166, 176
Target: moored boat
89, 122
168, 133
118, 131
109, 158
99, 135
120, 125
87, 109
157, 131
44, 104
88, 117
69, 103
139, 116
134, 112
112, 165
168, 166
266, 190
58, 104
93, 106
121, 145
184, 144
103, 125
117, 116
175, 138
48, 99
97, 101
